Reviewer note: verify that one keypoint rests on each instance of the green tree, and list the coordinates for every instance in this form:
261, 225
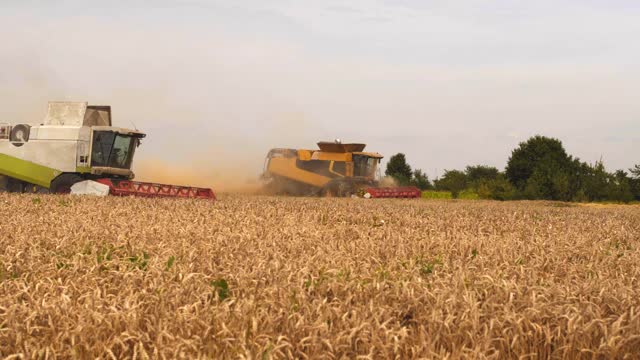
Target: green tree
620, 187
540, 154
595, 182
481, 172
421, 180
454, 181
479, 178
549, 181
635, 188
634, 181
398, 169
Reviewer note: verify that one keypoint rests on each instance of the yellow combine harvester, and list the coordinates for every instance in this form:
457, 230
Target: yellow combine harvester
335, 169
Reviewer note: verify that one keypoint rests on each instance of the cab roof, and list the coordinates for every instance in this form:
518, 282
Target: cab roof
77, 114
354, 148
134, 133
336, 147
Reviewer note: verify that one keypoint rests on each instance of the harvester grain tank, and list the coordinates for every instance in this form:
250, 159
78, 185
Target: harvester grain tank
76, 142
335, 169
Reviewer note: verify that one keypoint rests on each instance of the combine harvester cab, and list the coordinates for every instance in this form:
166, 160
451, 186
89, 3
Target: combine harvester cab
335, 169
77, 142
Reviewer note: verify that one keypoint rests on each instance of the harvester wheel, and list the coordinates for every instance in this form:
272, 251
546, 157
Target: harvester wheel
339, 188
4, 183
63, 183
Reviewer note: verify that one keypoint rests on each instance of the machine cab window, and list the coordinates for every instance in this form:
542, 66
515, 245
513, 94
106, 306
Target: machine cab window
364, 165
111, 149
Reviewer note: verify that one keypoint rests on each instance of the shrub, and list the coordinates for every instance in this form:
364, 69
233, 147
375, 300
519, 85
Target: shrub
433, 194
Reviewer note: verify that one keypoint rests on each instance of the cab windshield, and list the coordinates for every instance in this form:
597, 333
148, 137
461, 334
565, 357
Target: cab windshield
364, 165
111, 149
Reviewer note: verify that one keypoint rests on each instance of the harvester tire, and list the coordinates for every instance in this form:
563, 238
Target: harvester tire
339, 188
4, 183
63, 183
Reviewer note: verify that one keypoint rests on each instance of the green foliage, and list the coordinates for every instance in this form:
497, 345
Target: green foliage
5, 274
170, 262
105, 254
426, 267
221, 287
140, 261
488, 182
538, 169
468, 194
436, 195
635, 188
431, 194
594, 182
36, 201
500, 189
421, 180
266, 354
620, 188
538, 157
307, 283
401, 172
62, 265
293, 299
398, 169
452, 180
481, 172
549, 181
383, 274
634, 183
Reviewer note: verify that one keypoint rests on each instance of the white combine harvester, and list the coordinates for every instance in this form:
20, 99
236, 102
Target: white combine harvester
76, 142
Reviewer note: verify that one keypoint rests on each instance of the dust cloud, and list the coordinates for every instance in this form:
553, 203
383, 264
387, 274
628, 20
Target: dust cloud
220, 179
234, 164
388, 181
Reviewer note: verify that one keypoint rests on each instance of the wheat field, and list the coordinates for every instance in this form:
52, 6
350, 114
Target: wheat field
264, 277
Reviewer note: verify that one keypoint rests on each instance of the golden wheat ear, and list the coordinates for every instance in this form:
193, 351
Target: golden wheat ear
284, 277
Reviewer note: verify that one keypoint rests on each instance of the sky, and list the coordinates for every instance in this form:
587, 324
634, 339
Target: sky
216, 84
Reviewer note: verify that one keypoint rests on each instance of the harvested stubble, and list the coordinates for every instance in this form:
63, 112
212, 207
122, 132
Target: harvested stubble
264, 277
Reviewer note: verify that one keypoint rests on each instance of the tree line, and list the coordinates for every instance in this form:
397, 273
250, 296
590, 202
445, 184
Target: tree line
538, 169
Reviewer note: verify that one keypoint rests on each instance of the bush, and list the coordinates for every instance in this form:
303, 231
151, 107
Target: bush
465, 195
432, 194
468, 195
452, 180
497, 189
